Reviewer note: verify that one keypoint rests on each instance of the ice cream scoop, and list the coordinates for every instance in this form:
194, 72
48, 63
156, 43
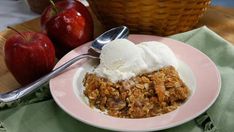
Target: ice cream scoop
122, 59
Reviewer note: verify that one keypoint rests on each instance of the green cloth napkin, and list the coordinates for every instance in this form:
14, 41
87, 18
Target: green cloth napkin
41, 114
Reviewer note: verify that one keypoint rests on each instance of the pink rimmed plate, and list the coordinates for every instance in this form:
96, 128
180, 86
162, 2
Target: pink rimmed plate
196, 70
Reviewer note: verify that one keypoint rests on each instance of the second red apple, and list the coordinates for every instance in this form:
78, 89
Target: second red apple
68, 24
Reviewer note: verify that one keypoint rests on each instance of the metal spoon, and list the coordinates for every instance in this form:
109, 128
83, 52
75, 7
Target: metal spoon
112, 34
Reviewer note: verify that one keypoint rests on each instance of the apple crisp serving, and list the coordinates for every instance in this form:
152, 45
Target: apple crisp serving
145, 95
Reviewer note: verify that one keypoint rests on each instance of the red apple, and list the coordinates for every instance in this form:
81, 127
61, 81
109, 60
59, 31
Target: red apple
68, 24
28, 56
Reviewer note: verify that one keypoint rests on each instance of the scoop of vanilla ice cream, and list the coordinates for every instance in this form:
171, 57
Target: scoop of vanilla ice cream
157, 55
121, 59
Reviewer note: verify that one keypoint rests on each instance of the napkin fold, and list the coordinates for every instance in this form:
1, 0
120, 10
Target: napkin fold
41, 114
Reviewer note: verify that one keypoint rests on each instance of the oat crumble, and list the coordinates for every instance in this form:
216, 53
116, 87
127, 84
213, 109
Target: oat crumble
145, 95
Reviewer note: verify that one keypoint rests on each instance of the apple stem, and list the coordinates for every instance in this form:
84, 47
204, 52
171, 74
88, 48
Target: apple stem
54, 6
16, 31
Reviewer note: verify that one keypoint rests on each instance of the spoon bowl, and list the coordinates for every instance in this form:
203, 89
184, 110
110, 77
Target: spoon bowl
110, 35
98, 43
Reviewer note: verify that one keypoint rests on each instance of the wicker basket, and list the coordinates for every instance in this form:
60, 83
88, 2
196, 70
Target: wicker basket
160, 17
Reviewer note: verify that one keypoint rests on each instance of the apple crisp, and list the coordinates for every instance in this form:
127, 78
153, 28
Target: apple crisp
145, 95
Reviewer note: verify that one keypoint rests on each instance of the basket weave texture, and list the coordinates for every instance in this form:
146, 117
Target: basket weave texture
160, 17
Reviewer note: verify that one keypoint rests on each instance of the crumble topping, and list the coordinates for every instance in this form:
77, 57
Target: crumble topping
145, 95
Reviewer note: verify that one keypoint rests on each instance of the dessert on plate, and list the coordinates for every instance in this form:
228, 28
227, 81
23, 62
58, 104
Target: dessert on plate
135, 80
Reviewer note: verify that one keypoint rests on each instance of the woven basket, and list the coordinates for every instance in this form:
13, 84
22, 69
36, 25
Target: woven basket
160, 17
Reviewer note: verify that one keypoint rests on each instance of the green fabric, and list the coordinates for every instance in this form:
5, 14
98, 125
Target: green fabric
43, 115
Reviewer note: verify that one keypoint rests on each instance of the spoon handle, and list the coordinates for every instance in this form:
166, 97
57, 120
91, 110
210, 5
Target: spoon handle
21, 92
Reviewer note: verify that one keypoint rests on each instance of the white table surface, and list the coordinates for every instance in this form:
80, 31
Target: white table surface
13, 12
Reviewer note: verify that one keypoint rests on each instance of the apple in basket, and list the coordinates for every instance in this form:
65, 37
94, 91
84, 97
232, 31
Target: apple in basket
68, 24
28, 56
